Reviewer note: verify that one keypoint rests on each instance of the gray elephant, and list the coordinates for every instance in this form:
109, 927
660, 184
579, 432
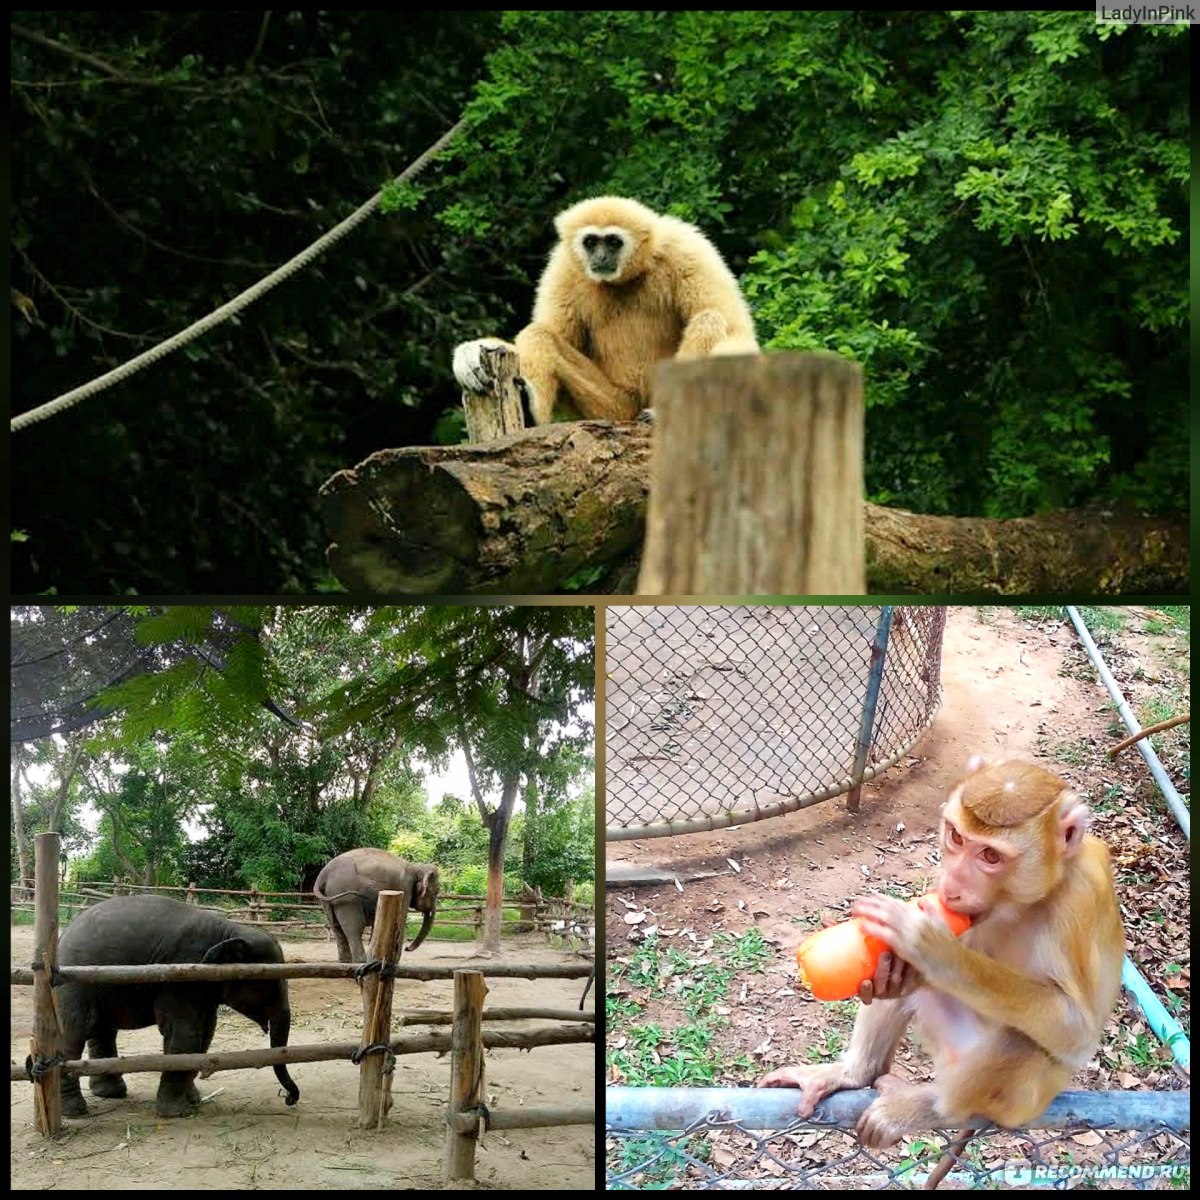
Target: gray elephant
348, 888
138, 931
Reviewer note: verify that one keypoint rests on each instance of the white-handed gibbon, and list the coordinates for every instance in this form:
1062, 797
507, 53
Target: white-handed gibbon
624, 288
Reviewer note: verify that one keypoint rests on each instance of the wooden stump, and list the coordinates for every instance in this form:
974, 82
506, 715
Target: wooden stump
756, 478
375, 1075
499, 413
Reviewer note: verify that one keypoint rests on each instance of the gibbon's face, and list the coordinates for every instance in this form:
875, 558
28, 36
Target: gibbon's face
604, 252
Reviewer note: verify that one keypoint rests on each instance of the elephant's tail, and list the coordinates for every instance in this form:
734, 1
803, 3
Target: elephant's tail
280, 1028
336, 896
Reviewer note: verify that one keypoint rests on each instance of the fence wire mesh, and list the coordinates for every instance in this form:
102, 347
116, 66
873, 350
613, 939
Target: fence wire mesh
1146, 1150
721, 714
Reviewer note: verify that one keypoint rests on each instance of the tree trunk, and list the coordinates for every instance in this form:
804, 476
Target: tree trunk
18, 814
494, 916
1071, 553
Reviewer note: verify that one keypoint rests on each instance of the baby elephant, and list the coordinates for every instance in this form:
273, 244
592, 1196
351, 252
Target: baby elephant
348, 888
141, 930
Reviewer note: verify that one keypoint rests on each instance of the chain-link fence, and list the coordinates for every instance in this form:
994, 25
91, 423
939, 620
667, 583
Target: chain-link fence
720, 715
747, 1139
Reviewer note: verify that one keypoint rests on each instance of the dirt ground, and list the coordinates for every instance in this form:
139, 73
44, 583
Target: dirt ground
718, 708
246, 1139
1012, 685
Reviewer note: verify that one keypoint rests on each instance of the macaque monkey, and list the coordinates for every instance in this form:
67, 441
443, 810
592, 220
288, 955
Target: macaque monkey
1014, 1006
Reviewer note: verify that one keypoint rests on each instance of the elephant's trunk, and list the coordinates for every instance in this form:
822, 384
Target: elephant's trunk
281, 1026
426, 926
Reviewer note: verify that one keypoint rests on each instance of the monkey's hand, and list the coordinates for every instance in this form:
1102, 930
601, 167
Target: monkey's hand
818, 1081
473, 364
910, 933
893, 978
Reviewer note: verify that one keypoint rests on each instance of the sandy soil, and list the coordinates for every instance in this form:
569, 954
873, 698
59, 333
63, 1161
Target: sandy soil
721, 708
245, 1138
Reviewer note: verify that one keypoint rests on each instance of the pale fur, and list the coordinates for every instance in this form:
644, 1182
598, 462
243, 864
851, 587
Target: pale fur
592, 342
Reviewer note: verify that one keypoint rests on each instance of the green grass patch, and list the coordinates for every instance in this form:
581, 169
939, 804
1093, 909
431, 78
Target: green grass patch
1040, 612
1074, 754
695, 981
657, 1161
1102, 619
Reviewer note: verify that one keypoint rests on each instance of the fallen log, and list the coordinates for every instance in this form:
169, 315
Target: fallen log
1060, 553
521, 515
562, 508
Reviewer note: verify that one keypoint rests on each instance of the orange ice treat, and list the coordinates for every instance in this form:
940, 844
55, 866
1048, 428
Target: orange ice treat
833, 962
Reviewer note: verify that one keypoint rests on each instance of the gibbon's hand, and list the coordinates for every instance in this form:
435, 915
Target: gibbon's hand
472, 365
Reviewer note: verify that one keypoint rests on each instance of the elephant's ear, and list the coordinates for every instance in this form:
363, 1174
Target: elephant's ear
234, 949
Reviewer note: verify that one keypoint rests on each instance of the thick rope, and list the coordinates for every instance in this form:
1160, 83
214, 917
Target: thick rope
246, 298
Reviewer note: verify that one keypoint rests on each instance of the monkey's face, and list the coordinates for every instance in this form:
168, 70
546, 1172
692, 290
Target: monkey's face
1006, 831
604, 252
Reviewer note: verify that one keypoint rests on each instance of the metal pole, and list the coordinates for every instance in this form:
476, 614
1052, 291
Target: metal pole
1132, 724
866, 727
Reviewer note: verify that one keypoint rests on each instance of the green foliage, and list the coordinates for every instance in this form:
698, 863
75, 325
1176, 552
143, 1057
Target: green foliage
400, 196
469, 880
460, 841
194, 694
143, 808
566, 846
584, 578
983, 259
411, 845
450, 428
986, 209
193, 746
144, 199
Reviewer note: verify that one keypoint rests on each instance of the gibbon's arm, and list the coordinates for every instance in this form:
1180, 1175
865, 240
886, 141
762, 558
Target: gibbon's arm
552, 306
553, 331
716, 317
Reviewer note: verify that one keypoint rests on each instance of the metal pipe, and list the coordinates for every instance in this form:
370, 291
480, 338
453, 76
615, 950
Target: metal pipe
1169, 1031
639, 1108
1174, 802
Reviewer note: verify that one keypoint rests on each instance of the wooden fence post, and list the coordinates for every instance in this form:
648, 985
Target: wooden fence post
375, 1075
47, 1037
756, 480
466, 1072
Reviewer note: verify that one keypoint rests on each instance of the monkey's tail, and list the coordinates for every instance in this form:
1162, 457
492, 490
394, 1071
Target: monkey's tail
948, 1159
